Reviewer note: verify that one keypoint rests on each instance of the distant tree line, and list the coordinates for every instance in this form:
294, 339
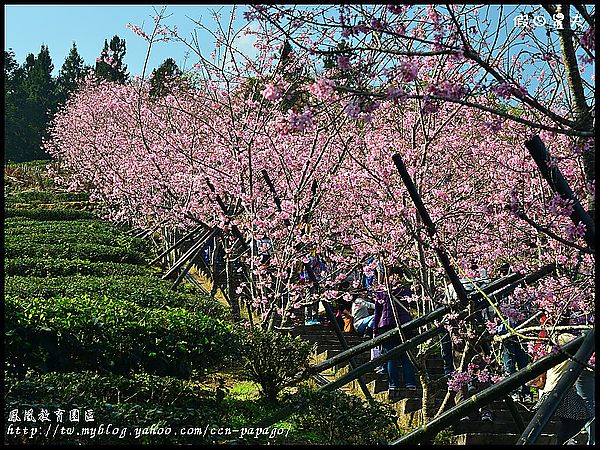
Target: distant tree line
32, 95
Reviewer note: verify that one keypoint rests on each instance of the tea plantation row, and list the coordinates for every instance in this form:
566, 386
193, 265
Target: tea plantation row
90, 326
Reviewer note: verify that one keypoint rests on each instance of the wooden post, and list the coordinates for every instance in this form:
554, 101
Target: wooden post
276, 198
494, 290
491, 393
461, 293
514, 412
558, 184
498, 289
176, 244
189, 253
234, 229
185, 271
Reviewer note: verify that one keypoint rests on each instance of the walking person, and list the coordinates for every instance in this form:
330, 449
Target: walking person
318, 267
384, 320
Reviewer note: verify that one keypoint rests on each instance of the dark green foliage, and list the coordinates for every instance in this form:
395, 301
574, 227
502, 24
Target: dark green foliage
53, 267
17, 135
445, 437
147, 291
344, 419
56, 248
85, 333
31, 97
70, 75
28, 98
93, 228
47, 238
71, 388
166, 72
41, 197
271, 358
115, 52
39, 83
48, 214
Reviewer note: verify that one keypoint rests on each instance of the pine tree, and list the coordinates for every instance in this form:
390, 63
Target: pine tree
71, 73
17, 131
39, 83
167, 71
109, 66
29, 105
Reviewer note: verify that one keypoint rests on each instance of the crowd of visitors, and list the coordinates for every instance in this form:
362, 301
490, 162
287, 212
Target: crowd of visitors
382, 302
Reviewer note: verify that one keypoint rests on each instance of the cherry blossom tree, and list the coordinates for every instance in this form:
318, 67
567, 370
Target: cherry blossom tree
294, 147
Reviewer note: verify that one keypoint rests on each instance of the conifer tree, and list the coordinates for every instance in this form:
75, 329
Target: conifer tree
109, 66
71, 73
167, 71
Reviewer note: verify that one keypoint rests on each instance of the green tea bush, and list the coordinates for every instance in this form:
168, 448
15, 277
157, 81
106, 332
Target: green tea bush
148, 291
52, 267
271, 358
48, 214
28, 226
84, 333
43, 236
44, 233
94, 388
37, 197
205, 303
75, 231
65, 250
344, 419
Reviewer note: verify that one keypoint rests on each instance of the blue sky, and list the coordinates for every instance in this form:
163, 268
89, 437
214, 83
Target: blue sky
27, 27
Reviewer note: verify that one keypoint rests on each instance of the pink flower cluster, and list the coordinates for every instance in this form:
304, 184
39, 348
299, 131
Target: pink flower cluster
458, 380
361, 109
588, 39
505, 90
406, 71
575, 232
343, 62
494, 125
396, 94
396, 9
301, 122
352, 109
448, 89
323, 88
560, 206
429, 106
272, 92
137, 30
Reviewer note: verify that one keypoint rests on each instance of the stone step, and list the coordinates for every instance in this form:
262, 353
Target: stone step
500, 439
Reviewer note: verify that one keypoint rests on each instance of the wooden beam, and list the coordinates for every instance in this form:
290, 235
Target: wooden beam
558, 184
488, 395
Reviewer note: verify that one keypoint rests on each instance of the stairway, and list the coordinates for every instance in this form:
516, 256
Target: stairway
408, 407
